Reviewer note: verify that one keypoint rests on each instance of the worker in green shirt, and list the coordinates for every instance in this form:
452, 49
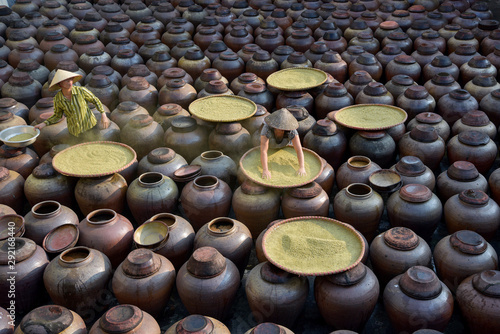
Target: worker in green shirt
72, 102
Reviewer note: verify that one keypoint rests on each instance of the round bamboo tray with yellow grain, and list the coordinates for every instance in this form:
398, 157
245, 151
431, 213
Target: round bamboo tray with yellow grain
370, 117
223, 108
297, 78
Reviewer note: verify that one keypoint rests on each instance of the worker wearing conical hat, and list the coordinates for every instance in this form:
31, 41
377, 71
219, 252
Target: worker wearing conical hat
279, 130
72, 102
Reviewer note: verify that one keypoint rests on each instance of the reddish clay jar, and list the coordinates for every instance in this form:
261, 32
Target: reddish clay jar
460, 176
207, 283
472, 210
395, 251
474, 146
413, 171
434, 120
125, 319
194, 322
105, 192
461, 255
45, 183
423, 142
108, 232
475, 120
325, 139
339, 295
52, 315
357, 169
308, 200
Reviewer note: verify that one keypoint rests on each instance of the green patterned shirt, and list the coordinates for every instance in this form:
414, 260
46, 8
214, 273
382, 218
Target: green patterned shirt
78, 114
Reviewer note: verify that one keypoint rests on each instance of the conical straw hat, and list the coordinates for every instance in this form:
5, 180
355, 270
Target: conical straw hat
282, 119
62, 75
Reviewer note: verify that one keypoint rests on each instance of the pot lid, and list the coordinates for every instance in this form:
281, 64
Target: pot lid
324, 127
464, 34
403, 80
349, 277
61, 238
161, 155
397, 35
488, 283
420, 282
335, 89
473, 196
267, 328
52, 318
462, 171
121, 319
415, 193
427, 48
392, 49
479, 62
141, 263
184, 124
389, 25
24, 248
195, 323
372, 135
139, 121
475, 118
360, 78
473, 138
375, 89
206, 262
429, 118
405, 59
410, 166
309, 190
169, 109
468, 242
485, 81
496, 93
44, 171
443, 79
424, 133
187, 172
401, 238
272, 274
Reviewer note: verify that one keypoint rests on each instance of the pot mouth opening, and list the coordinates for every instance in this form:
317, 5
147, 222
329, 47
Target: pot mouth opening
46, 208
359, 189
206, 181
221, 225
151, 178
210, 155
75, 255
101, 216
359, 161
166, 218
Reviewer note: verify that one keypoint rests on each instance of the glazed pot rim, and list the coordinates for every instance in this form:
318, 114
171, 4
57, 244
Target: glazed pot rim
80, 249
94, 213
48, 214
221, 232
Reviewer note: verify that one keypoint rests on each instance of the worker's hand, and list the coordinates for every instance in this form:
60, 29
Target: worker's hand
40, 126
104, 121
301, 171
266, 175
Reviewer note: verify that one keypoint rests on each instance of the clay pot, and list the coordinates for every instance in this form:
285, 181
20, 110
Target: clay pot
192, 323
52, 315
44, 217
460, 176
31, 262
144, 279
231, 139
376, 145
325, 139
308, 200
45, 183
357, 169
423, 142
416, 100
77, 279
434, 120
217, 164
204, 199
143, 134
475, 120
477, 297
126, 319
455, 104
207, 283
230, 237
186, 138
275, 295
415, 207
418, 294
472, 210
395, 251
413, 171
357, 82
360, 206
11, 189
461, 255
94, 193
125, 111
337, 296
398, 85
440, 64
161, 160
473, 146
177, 245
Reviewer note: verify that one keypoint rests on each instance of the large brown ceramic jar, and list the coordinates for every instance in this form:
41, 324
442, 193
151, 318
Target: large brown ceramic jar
395, 251
177, 245
143, 134
357, 169
296, 59
460, 176
476, 147
366, 62
374, 93
463, 54
376, 145
78, 279
334, 97
441, 84
388, 53
259, 94
403, 64
186, 138
440, 64
49, 316
207, 283
108, 232
325, 139
216, 163
431, 37
11, 189
145, 279
23, 88
30, 263
125, 58
275, 295
415, 207
125, 319
334, 40
14, 107
254, 123
423, 142
166, 113
478, 299
300, 99
418, 299
399, 84
461, 255
151, 193
416, 100
19, 159
331, 63
472, 210
400, 39
357, 82
230, 237
206, 76
204, 199
44, 217
479, 65
104, 89
262, 64
196, 322
433, 120
177, 91
105, 192
139, 90
339, 295
463, 36
360, 206
475, 120
45, 183
413, 171
425, 53
355, 28
481, 85
308, 200
125, 111
231, 139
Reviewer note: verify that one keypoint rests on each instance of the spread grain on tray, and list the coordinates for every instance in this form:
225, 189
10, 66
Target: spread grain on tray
93, 159
21, 137
296, 79
313, 246
283, 165
370, 117
222, 108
